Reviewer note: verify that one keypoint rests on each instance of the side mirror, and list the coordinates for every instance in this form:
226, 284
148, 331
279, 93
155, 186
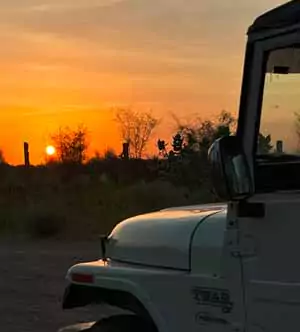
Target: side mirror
231, 174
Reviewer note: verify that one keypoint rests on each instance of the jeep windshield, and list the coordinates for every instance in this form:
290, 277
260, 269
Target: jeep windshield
278, 141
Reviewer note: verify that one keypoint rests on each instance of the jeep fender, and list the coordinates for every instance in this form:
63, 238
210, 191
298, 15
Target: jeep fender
113, 286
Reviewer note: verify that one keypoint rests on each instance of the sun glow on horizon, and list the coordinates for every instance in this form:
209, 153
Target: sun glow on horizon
50, 150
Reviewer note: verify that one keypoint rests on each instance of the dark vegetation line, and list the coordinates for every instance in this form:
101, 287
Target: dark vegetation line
72, 196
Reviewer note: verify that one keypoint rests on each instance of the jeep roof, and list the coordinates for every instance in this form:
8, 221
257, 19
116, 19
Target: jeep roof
280, 17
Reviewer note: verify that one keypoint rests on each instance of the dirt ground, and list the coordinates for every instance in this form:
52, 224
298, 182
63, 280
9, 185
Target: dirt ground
32, 281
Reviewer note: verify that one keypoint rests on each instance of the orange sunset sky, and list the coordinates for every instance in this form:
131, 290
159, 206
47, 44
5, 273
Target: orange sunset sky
65, 62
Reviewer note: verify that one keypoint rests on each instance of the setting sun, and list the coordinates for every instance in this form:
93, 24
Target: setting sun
50, 150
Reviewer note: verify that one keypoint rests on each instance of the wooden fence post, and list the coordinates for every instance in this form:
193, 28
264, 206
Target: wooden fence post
26, 154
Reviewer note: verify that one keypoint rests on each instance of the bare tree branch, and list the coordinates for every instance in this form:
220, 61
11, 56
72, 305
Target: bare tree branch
136, 129
71, 145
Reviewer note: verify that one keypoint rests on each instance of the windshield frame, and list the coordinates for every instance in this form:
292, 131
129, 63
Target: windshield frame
250, 112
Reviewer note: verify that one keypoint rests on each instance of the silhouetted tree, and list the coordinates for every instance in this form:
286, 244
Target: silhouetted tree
199, 136
161, 144
187, 163
162, 148
136, 129
177, 143
227, 120
264, 145
71, 145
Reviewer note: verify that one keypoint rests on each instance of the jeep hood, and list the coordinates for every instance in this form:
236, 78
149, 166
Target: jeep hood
159, 239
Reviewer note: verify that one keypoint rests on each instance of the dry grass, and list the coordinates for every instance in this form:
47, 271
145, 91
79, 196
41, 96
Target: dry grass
37, 202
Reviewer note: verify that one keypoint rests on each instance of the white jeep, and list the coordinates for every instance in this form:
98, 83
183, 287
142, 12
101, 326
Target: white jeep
220, 267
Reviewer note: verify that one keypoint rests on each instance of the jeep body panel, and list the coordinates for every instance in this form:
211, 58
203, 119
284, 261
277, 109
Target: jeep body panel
172, 300
160, 239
